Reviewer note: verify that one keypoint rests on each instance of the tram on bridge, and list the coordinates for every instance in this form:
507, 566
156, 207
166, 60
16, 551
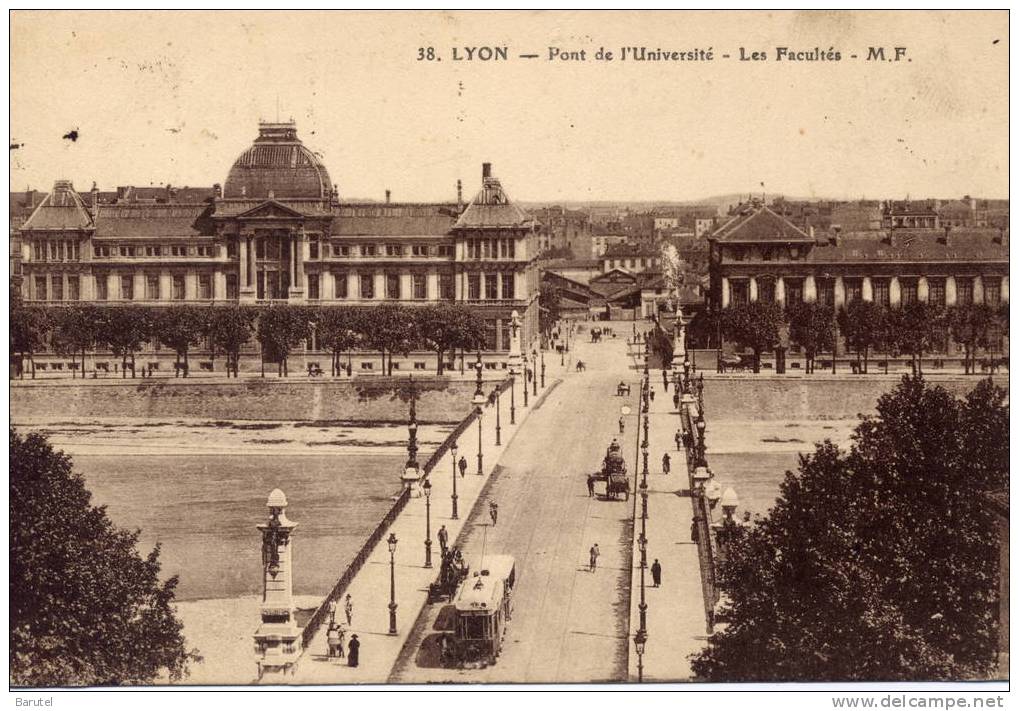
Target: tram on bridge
483, 606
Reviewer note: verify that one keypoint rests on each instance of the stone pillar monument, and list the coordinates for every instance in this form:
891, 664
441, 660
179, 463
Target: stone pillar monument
679, 336
278, 638
514, 349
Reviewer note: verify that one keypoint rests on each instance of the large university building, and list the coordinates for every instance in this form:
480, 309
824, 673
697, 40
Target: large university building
277, 231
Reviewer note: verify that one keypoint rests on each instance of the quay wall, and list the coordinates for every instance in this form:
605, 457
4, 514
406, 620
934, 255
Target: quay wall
439, 400
814, 397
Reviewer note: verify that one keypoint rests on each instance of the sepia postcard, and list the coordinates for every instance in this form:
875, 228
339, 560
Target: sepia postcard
627, 349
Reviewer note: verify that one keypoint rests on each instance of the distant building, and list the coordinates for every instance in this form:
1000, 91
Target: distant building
562, 229
631, 258
760, 255
906, 214
278, 232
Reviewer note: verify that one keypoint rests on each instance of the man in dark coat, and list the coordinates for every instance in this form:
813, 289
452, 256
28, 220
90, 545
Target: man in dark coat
443, 539
656, 573
665, 462
353, 649
463, 466
679, 439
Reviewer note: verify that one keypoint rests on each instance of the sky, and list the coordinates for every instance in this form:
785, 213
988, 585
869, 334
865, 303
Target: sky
175, 97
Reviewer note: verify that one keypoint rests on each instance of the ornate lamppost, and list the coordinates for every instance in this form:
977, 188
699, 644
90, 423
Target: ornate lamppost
452, 449
639, 642
498, 420
701, 446
514, 364
534, 373
643, 483
391, 542
479, 404
428, 523
523, 359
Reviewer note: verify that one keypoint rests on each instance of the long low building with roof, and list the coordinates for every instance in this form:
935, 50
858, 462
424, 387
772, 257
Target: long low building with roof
277, 231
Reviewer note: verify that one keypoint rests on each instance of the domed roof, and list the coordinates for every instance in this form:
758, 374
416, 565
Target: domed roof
277, 163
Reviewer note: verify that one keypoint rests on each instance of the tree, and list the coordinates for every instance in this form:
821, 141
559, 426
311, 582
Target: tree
29, 327
76, 330
281, 328
879, 563
85, 608
124, 329
230, 327
861, 324
914, 327
970, 325
811, 326
753, 325
181, 328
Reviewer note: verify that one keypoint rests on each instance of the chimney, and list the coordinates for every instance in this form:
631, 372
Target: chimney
486, 170
834, 237
388, 193
95, 199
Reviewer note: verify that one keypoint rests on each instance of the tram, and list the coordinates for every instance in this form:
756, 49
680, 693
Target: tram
483, 606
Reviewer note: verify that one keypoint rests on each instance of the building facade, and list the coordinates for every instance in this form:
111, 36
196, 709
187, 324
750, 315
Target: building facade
761, 256
277, 232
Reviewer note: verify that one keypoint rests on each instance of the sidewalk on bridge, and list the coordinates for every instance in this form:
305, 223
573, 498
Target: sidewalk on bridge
369, 590
675, 612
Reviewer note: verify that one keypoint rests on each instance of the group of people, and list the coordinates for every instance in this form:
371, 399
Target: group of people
337, 633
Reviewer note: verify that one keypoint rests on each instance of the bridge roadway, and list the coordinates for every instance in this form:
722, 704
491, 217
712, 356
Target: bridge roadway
568, 625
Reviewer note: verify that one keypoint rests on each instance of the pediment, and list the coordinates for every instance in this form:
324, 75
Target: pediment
616, 276
271, 209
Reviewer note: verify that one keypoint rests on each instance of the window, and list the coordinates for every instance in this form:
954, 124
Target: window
40, 288
58, 287
963, 291
340, 284
205, 250
826, 292
936, 292
394, 250
232, 291
854, 289
231, 248
881, 295
341, 250
445, 250
313, 249
446, 288
151, 251
260, 248
473, 287
420, 286
367, 281
73, 288
490, 331
152, 287
178, 287
77, 254
367, 250
992, 290
204, 286
60, 251
313, 286
419, 250
38, 253
507, 285
740, 292
491, 286
101, 250
907, 291
179, 250
126, 251
392, 286
766, 291
127, 287
793, 291
102, 288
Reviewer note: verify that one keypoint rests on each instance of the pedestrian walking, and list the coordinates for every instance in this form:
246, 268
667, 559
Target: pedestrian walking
463, 466
675, 399
443, 539
665, 381
656, 574
594, 557
332, 612
590, 486
342, 640
665, 462
679, 439
622, 425
353, 651
493, 511
348, 609
652, 394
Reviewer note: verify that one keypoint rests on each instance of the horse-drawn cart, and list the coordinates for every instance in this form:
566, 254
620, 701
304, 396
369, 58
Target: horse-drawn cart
622, 389
613, 473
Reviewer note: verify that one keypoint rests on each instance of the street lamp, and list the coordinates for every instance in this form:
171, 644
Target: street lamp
643, 501
534, 367
479, 403
513, 396
729, 503
523, 359
428, 522
391, 541
642, 543
639, 641
498, 422
543, 369
453, 450
701, 426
